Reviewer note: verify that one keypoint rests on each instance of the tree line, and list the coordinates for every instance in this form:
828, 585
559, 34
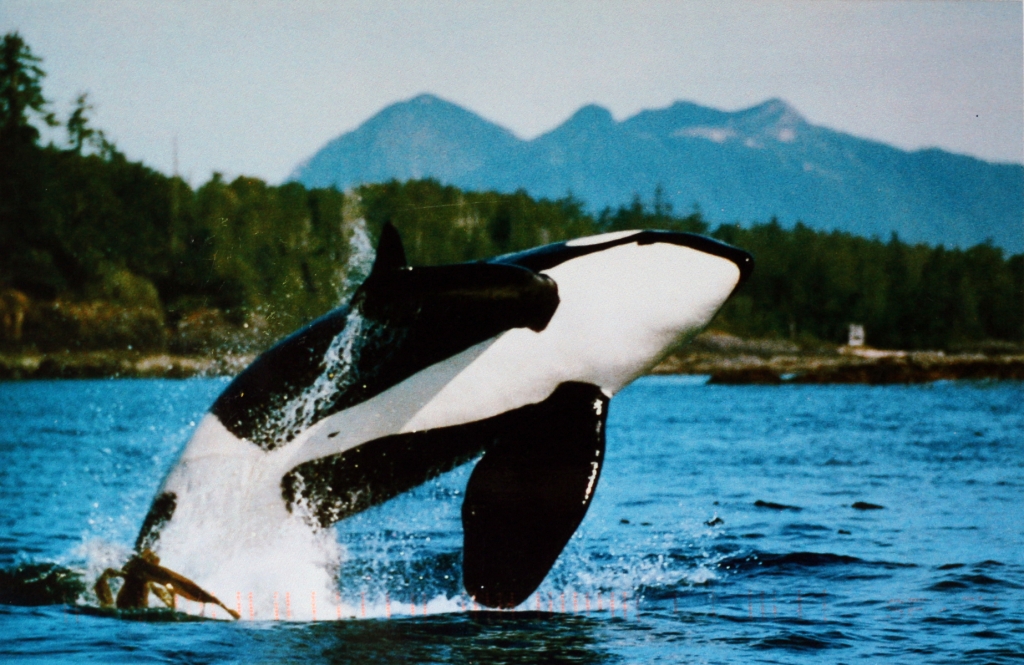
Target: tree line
80, 222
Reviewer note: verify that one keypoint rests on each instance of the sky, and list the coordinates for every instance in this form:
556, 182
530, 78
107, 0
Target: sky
253, 88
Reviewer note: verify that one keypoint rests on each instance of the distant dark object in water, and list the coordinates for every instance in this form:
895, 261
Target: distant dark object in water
776, 506
746, 376
645, 524
623, 521
715, 521
34, 584
864, 505
844, 532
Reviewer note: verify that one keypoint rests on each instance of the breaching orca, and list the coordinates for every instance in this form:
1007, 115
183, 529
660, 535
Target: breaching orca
427, 368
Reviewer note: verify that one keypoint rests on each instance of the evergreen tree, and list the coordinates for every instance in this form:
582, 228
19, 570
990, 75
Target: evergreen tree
21, 92
81, 133
24, 258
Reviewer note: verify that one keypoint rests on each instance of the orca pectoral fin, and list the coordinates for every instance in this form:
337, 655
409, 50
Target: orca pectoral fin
530, 491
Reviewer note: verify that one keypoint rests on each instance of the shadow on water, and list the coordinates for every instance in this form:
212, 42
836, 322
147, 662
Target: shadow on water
473, 637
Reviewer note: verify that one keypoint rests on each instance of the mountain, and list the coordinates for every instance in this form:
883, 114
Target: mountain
423, 137
744, 166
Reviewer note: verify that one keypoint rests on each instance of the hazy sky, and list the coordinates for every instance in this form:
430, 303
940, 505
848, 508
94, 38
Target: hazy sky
255, 87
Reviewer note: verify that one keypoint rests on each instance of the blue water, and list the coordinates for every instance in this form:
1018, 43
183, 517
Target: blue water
935, 576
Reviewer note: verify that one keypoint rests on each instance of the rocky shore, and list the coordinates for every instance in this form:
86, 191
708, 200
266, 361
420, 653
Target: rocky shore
724, 358
730, 360
847, 368
118, 364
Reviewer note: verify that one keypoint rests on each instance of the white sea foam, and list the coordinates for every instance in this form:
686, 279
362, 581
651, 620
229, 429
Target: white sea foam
243, 542
98, 555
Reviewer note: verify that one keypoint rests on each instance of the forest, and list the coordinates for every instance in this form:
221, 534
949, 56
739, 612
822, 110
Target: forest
98, 251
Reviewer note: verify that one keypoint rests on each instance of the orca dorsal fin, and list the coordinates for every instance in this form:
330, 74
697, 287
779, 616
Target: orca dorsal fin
390, 253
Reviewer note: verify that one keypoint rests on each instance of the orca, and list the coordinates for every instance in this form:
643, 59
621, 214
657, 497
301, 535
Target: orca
511, 361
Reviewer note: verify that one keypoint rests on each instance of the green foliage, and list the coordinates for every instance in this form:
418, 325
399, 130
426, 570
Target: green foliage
810, 285
21, 92
659, 216
442, 224
249, 248
81, 133
123, 287
279, 250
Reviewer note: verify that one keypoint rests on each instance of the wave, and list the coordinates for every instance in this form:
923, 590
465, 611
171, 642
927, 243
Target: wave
779, 562
801, 641
961, 582
975, 576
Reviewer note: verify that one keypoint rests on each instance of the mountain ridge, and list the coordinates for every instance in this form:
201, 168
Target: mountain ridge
740, 166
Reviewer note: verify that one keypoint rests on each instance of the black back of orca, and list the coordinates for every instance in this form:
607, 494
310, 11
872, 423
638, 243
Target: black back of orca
549, 256
413, 318
408, 318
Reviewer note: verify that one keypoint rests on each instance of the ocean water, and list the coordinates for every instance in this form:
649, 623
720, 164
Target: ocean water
724, 530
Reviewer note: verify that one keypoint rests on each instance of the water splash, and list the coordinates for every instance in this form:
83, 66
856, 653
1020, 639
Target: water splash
360, 259
231, 532
272, 553
343, 355
341, 366
337, 374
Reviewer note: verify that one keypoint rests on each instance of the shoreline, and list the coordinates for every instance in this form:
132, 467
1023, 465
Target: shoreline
842, 366
846, 366
118, 364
